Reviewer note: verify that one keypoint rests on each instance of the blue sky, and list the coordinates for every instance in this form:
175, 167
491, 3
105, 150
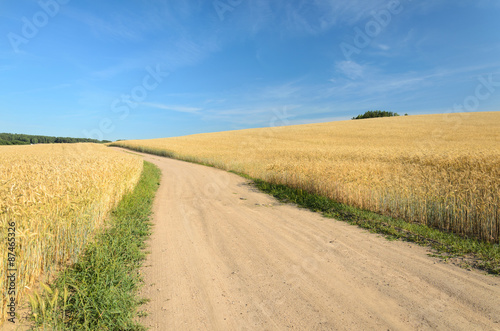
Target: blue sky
156, 68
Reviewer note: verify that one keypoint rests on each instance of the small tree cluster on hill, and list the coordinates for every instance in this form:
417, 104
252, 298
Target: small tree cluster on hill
375, 113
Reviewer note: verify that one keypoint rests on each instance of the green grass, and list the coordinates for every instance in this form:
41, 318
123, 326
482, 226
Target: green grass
100, 291
468, 252
142, 149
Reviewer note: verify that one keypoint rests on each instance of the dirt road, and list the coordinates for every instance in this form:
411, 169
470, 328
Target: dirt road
226, 257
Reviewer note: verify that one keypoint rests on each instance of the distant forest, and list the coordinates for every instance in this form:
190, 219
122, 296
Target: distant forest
25, 139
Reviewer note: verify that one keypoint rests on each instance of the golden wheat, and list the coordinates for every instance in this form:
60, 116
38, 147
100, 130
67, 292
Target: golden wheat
58, 196
440, 170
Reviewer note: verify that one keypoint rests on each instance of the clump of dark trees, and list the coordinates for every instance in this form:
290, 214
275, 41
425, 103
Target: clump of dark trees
25, 139
376, 113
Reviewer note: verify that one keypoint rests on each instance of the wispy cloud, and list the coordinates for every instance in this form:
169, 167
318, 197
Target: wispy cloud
176, 108
303, 17
115, 27
350, 12
253, 116
364, 79
187, 52
122, 66
351, 69
282, 91
313, 17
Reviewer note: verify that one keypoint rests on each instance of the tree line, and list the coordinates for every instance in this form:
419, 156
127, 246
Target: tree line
25, 139
376, 113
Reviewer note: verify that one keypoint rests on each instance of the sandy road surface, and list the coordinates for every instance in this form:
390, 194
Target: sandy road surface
226, 257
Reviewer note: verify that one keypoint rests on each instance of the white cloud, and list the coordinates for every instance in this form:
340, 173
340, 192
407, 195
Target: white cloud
122, 66
308, 17
101, 28
350, 69
350, 12
374, 84
284, 91
176, 108
383, 47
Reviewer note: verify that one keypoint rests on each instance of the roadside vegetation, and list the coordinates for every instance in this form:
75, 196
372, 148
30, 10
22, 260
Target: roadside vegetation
99, 292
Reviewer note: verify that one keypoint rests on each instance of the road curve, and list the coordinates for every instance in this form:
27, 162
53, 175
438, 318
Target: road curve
227, 257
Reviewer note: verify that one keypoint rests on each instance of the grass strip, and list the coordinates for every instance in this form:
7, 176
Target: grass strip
100, 291
462, 251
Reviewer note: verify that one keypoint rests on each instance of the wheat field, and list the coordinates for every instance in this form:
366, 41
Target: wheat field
440, 170
58, 196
